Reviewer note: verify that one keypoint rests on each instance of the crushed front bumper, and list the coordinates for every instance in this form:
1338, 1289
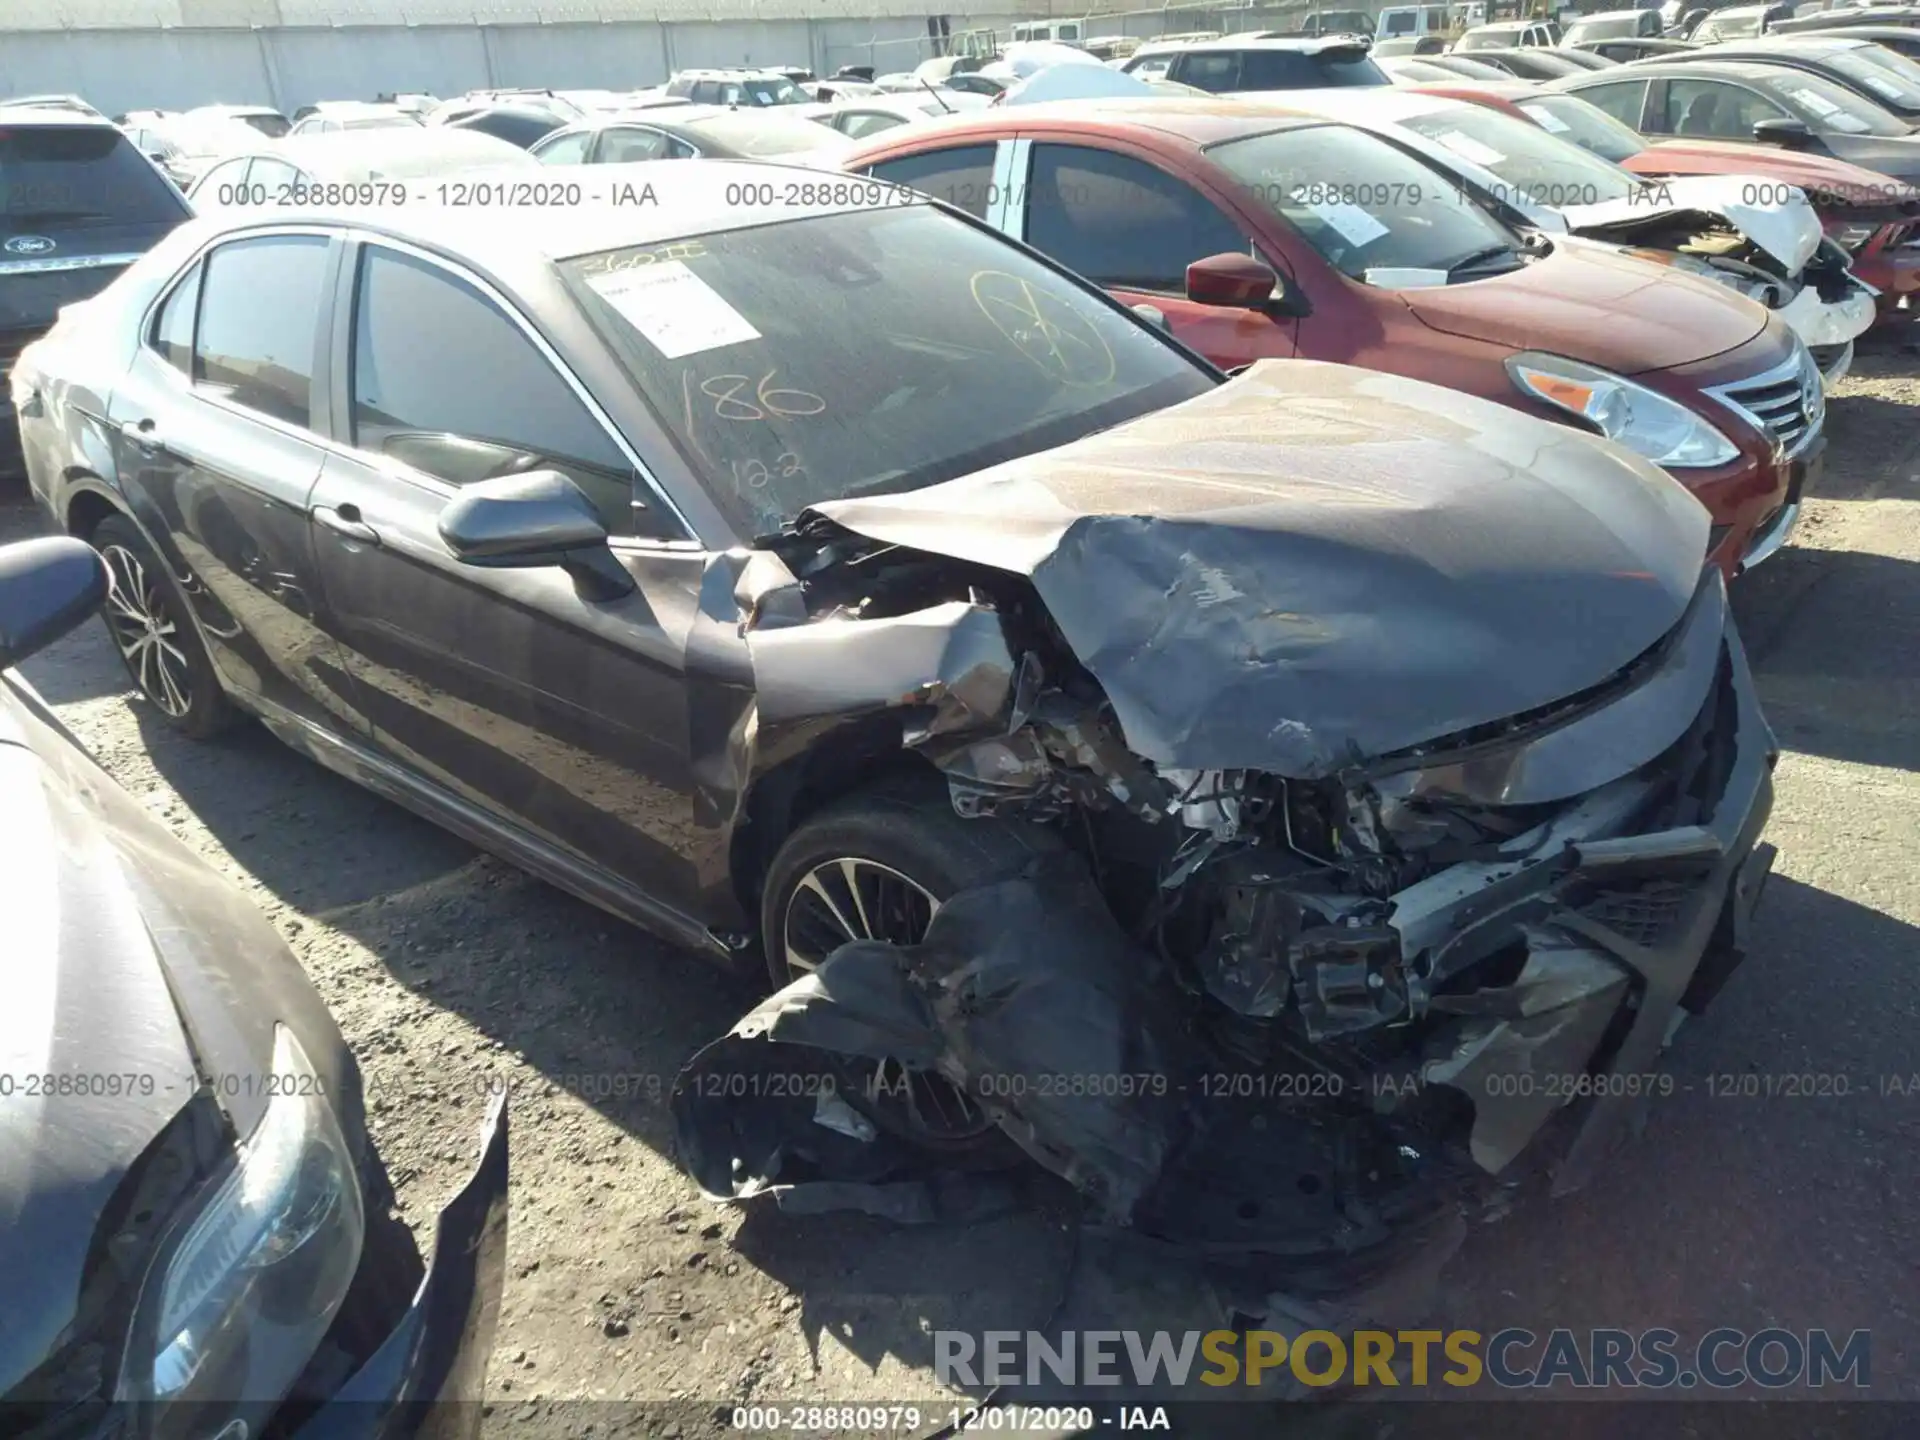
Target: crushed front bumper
1622, 933
427, 1378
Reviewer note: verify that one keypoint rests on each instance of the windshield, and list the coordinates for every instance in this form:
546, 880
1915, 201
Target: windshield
1827, 106
1585, 124
1893, 80
763, 135
1402, 216
1493, 37
1533, 165
272, 126
770, 90
880, 350
87, 175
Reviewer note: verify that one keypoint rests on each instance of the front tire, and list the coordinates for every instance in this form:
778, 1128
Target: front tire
877, 865
152, 629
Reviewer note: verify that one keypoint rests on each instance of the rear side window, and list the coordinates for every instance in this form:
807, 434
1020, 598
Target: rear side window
54, 176
261, 355
963, 176
173, 327
1623, 100
624, 146
566, 149
1216, 71
445, 382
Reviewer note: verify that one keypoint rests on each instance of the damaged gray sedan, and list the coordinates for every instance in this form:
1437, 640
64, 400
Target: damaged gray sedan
1339, 778
1266, 802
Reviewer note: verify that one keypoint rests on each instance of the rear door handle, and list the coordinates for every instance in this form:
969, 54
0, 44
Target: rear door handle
345, 520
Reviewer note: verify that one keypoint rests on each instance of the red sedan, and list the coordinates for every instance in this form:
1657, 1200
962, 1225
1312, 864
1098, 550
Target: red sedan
1257, 232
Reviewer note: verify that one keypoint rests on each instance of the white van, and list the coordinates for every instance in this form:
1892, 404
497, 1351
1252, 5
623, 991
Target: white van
1066, 31
1410, 22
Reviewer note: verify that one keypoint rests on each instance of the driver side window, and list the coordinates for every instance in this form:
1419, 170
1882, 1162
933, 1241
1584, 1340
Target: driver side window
1712, 109
1624, 101
566, 150
1121, 222
445, 382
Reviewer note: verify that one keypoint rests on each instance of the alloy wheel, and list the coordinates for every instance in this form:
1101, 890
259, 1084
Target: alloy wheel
145, 634
855, 899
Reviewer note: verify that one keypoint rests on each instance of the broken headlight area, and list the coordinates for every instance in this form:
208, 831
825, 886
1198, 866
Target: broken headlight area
1728, 258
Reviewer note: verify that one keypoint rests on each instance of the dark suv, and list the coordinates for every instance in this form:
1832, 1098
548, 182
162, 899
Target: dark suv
1226, 66
78, 204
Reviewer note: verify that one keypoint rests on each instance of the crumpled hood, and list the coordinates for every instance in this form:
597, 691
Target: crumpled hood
1315, 563
1593, 303
85, 997
1787, 229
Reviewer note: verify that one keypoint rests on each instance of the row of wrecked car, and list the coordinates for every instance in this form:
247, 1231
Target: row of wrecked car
1185, 642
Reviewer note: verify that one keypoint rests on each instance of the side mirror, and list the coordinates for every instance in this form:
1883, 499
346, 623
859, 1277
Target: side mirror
47, 587
1241, 282
1788, 133
1236, 280
529, 521
1154, 316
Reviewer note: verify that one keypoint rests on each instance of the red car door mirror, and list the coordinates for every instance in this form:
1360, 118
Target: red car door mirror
1234, 280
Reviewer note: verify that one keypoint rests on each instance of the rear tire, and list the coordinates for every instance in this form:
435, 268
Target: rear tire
876, 865
152, 629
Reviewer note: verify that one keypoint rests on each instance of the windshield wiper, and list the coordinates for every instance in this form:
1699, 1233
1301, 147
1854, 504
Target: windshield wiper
1481, 257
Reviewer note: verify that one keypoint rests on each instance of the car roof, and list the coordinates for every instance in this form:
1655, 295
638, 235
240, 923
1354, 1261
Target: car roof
728, 72
691, 197
1357, 104
1515, 89
1751, 70
1199, 122
1306, 44
1810, 44
389, 154
1606, 15
1861, 32
51, 112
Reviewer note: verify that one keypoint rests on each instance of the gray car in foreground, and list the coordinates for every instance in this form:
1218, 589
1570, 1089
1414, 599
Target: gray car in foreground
1233, 794
196, 1232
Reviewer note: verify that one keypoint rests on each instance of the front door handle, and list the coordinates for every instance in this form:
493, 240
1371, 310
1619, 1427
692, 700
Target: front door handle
144, 435
345, 520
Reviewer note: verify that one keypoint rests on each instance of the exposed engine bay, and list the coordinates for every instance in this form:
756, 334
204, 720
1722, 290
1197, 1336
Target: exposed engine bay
1298, 1007
1723, 254
1774, 252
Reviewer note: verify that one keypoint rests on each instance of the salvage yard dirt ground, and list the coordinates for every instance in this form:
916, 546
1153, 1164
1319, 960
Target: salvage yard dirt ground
453, 974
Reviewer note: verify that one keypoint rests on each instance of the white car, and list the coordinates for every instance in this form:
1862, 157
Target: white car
1772, 251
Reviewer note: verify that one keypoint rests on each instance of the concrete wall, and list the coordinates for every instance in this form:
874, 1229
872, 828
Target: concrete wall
119, 69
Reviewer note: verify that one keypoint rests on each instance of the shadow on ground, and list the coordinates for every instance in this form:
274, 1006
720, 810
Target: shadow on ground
1834, 637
